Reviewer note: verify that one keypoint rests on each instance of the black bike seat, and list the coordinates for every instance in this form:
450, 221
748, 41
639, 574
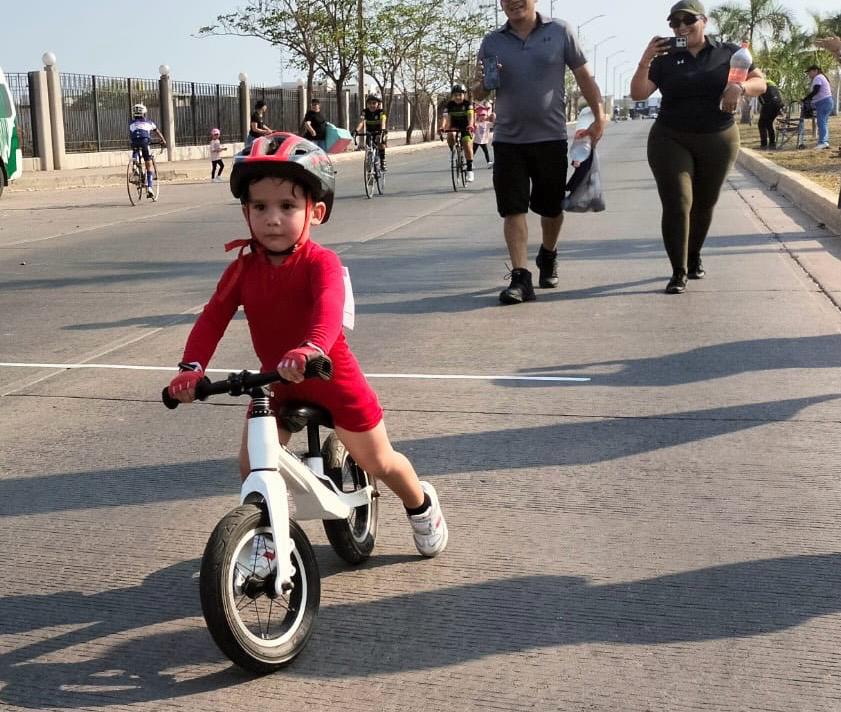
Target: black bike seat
295, 416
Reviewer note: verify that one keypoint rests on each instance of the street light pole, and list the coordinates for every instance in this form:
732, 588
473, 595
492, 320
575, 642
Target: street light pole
621, 64
587, 22
360, 85
596, 52
606, 60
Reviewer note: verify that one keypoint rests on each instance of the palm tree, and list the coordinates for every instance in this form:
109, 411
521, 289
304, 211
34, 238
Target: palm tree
739, 23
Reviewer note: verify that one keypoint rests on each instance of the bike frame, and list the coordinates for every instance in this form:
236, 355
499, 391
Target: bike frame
315, 495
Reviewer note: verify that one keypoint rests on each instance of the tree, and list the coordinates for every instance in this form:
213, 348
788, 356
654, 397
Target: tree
282, 23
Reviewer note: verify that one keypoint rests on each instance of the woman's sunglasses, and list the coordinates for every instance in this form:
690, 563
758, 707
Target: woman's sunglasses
687, 20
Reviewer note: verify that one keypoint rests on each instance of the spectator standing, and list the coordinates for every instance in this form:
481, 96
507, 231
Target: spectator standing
820, 95
694, 140
315, 125
258, 126
771, 105
532, 53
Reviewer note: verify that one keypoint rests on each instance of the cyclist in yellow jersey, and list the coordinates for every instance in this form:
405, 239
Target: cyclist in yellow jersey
458, 114
374, 121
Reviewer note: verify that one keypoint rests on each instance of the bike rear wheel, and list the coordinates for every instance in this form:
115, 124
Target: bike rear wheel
134, 181
353, 538
256, 631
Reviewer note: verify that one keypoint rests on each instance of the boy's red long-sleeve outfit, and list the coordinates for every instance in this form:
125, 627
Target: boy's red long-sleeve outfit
286, 305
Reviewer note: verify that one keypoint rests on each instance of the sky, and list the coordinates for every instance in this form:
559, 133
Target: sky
133, 39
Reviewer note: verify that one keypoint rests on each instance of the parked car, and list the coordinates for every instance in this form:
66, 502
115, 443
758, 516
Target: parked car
11, 158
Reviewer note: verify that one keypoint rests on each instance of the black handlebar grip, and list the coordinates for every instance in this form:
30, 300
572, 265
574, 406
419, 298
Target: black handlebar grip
320, 366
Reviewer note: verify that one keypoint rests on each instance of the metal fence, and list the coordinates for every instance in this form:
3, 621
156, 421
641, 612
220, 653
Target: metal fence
19, 85
97, 110
200, 107
283, 107
396, 119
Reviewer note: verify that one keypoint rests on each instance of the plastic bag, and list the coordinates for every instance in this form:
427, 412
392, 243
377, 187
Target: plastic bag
585, 188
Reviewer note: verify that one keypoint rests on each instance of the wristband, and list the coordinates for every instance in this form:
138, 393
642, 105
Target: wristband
191, 366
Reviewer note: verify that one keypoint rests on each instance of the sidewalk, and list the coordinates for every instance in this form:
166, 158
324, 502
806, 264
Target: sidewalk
168, 171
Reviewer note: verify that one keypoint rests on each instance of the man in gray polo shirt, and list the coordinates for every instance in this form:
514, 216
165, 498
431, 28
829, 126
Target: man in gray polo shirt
530, 142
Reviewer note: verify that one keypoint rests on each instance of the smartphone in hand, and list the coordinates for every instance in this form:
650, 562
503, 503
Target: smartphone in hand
490, 72
676, 44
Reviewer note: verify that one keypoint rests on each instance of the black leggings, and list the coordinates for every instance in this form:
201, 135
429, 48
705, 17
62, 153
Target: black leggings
767, 135
689, 169
484, 148
217, 164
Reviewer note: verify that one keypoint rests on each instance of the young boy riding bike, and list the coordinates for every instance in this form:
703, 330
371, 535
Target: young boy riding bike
140, 132
292, 292
375, 122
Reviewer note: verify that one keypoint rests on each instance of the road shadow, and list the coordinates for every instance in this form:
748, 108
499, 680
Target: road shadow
142, 322
410, 632
704, 363
562, 443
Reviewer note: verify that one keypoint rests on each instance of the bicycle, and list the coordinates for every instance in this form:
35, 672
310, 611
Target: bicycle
136, 177
372, 172
258, 561
458, 164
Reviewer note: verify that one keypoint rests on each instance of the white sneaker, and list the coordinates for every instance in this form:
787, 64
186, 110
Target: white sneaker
822, 146
430, 528
469, 176
490, 165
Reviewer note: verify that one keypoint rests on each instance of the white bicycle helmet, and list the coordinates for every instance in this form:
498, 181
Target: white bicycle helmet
138, 110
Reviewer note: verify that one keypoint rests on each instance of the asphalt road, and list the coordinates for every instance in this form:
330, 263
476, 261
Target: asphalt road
662, 536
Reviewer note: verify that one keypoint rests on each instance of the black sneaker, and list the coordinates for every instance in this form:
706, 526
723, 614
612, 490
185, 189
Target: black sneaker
520, 289
696, 269
547, 263
677, 284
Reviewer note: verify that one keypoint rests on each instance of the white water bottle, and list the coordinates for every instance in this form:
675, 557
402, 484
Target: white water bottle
582, 144
740, 65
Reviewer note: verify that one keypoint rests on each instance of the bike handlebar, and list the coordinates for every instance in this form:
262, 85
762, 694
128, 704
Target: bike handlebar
236, 384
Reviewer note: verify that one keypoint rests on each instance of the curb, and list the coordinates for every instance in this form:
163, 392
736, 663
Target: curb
819, 202
169, 172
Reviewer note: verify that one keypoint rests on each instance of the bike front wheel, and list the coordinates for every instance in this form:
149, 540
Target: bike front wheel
353, 538
257, 630
156, 185
454, 167
368, 174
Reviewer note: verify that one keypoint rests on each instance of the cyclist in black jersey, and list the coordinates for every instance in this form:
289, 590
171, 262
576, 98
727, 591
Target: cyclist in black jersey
374, 120
458, 114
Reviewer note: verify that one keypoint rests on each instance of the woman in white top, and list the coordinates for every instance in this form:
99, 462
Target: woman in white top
820, 95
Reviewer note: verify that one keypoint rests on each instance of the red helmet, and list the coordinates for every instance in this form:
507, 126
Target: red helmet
285, 155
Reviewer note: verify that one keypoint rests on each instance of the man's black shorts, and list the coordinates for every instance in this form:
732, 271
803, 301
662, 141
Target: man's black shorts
530, 175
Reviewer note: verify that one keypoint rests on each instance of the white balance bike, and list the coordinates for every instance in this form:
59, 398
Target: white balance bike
259, 583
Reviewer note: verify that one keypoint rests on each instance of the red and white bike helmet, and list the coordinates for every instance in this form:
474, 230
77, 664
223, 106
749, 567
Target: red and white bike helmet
285, 155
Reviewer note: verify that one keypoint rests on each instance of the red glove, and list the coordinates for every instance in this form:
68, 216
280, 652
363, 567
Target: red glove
294, 362
183, 386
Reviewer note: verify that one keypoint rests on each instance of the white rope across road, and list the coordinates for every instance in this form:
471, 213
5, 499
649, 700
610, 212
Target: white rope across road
409, 376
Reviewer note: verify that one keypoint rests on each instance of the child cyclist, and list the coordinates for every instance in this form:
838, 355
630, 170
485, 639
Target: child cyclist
140, 133
375, 122
292, 292
216, 148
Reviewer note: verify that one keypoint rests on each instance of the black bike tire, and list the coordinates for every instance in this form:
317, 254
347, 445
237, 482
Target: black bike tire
156, 188
216, 603
366, 174
462, 165
379, 177
355, 541
130, 185
454, 167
